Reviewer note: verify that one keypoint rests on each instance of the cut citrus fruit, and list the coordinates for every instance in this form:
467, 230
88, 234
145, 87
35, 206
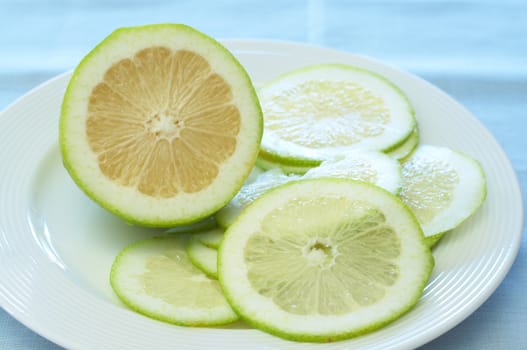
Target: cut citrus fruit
404, 150
203, 257
211, 239
322, 111
374, 167
156, 278
442, 187
324, 259
248, 193
160, 125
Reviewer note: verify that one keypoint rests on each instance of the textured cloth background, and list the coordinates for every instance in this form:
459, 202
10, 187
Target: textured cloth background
475, 50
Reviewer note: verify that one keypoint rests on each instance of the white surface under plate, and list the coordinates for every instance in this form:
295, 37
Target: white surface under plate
56, 246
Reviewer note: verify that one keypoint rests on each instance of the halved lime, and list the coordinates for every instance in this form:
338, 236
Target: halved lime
324, 259
156, 278
442, 187
322, 111
160, 125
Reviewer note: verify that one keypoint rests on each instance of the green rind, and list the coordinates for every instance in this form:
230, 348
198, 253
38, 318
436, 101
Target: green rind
193, 244
148, 313
405, 150
211, 238
101, 201
271, 163
276, 157
432, 241
330, 337
206, 224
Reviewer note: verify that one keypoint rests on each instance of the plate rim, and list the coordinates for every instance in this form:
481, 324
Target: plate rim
497, 279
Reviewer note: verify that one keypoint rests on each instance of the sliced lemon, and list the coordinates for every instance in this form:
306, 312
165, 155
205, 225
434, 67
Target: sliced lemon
324, 259
156, 278
374, 167
322, 111
160, 125
203, 257
442, 187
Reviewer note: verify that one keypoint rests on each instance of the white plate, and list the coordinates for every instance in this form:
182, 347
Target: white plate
56, 246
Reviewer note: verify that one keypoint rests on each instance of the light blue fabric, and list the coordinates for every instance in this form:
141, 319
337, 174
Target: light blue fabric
474, 50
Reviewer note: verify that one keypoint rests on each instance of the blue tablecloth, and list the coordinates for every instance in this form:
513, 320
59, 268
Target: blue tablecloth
475, 50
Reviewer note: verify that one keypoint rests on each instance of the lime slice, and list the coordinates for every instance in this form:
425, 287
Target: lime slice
156, 278
431, 241
160, 125
324, 259
211, 239
407, 147
203, 225
323, 111
442, 187
373, 167
203, 257
248, 193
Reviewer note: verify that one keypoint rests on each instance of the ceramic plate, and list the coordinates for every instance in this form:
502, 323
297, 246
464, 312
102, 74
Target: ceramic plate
57, 246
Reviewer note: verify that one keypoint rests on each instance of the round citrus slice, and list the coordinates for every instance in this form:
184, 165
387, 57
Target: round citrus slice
374, 167
203, 257
156, 278
160, 125
442, 187
322, 111
248, 193
324, 259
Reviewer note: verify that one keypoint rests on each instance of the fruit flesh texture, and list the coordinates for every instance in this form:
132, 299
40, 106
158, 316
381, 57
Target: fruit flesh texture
331, 270
162, 122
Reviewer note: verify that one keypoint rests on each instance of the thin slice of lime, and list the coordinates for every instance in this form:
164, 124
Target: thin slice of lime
442, 187
203, 257
374, 167
248, 193
211, 239
156, 278
407, 147
322, 111
324, 259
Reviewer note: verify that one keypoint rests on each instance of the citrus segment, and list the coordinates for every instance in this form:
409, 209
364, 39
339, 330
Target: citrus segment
156, 278
442, 187
323, 259
160, 124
